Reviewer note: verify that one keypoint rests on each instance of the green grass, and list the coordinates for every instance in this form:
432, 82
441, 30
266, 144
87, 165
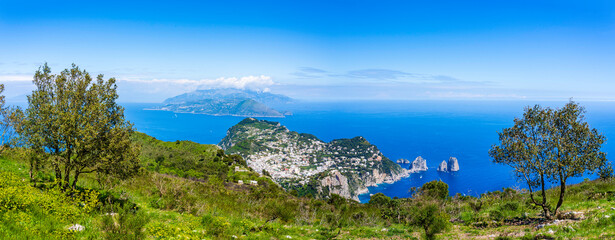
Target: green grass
173, 206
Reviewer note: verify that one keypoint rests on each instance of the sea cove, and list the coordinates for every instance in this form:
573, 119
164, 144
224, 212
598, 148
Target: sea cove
435, 130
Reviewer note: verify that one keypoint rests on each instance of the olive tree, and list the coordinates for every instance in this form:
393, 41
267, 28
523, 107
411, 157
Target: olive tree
75, 122
550, 146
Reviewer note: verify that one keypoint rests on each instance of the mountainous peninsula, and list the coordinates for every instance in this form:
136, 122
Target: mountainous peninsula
227, 102
307, 164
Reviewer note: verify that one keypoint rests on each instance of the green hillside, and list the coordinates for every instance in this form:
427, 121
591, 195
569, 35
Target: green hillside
186, 196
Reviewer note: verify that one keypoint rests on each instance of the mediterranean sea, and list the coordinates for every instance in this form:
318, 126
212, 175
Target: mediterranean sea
435, 130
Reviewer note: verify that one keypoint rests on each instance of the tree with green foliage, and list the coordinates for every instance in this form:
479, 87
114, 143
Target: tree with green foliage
435, 189
428, 216
75, 121
380, 200
429, 199
550, 146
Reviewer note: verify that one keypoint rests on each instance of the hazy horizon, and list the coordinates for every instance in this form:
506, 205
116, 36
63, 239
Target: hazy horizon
320, 50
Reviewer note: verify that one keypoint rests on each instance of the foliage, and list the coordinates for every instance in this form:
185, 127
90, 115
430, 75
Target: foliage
379, 199
549, 145
215, 225
185, 158
429, 217
124, 222
75, 120
435, 189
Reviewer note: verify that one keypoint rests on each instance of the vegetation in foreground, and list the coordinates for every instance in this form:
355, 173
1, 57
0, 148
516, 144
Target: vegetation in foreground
79, 171
152, 205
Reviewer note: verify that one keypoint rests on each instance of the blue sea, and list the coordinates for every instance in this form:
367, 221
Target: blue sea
435, 130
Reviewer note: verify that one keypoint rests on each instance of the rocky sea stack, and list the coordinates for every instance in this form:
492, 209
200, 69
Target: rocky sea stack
419, 164
453, 165
403, 161
443, 167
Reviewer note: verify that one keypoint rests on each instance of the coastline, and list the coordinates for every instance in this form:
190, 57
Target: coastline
387, 180
216, 115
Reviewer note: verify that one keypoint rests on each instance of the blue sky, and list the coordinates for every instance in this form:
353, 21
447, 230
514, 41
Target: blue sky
320, 50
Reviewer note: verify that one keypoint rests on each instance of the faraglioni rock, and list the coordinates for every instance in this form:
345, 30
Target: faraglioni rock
403, 161
453, 165
443, 167
419, 164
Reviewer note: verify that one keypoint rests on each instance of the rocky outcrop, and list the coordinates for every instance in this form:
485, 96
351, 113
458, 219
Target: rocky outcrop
443, 167
337, 183
403, 161
350, 185
419, 164
453, 165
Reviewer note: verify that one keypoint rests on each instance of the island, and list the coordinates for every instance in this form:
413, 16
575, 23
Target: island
419, 165
403, 161
227, 102
451, 166
302, 162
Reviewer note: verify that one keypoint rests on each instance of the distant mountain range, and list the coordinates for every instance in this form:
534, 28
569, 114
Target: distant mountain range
227, 102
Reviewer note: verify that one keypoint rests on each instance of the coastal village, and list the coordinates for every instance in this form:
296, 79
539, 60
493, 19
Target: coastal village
295, 158
291, 157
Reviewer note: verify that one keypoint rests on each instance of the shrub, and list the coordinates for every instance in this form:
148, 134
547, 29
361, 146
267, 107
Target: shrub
496, 214
468, 217
126, 223
16, 194
431, 219
379, 199
435, 189
510, 206
215, 225
280, 209
161, 230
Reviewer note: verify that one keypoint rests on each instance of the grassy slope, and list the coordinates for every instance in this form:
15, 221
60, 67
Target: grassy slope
179, 208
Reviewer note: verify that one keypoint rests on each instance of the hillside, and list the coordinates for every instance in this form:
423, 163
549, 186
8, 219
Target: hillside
227, 102
303, 162
164, 206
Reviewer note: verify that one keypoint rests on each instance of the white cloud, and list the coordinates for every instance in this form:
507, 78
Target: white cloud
136, 88
261, 82
15, 78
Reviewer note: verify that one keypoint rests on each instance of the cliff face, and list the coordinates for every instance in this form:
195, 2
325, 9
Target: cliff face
343, 166
419, 164
443, 167
453, 164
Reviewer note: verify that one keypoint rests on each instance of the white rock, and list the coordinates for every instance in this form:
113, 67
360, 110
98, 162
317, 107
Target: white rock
76, 227
419, 164
551, 231
453, 164
443, 167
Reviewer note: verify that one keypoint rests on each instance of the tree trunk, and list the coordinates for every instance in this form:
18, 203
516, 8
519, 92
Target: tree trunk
58, 172
76, 179
545, 207
562, 191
